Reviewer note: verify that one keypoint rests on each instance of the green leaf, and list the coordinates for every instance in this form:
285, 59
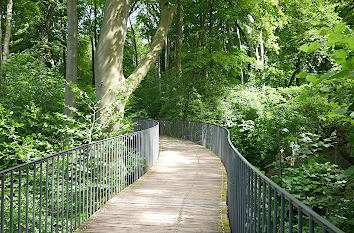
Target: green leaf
341, 111
293, 139
324, 31
341, 53
315, 23
349, 171
339, 28
325, 89
350, 42
311, 161
304, 48
311, 78
332, 39
329, 74
313, 46
302, 74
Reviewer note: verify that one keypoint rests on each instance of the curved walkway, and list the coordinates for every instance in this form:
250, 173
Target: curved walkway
183, 192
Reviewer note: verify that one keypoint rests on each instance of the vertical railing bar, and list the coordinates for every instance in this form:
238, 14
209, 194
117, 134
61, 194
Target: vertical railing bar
11, 201
71, 191
128, 160
76, 184
67, 192
299, 225
109, 169
269, 222
34, 199
252, 202
255, 204
80, 182
101, 175
105, 174
40, 197
96, 177
99, 171
124, 162
115, 165
112, 167
91, 178
275, 214
311, 226
2, 202
131, 160
58, 181
264, 207
290, 217
137, 156
83, 184
282, 213
259, 203
119, 165
65, 172
87, 154
19, 201
52, 202
27, 194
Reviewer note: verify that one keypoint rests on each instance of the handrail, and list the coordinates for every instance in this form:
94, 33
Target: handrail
61, 191
255, 203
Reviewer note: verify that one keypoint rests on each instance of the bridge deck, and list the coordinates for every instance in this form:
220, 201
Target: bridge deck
184, 192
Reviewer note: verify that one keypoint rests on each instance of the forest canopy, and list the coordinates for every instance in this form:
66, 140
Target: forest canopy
277, 73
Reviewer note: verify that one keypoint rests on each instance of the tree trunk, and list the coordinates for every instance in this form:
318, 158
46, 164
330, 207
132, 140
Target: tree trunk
194, 77
71, 64
7, 37
112, 88
179, 38
166, 54
238, 29
297, 68
93, 59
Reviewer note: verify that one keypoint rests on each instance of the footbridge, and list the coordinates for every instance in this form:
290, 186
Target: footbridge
188, 179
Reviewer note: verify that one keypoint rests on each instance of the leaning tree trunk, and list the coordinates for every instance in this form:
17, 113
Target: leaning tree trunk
112, 88
7, 37
71, 64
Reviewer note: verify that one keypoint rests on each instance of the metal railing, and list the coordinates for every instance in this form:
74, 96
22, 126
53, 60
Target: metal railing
255, 203
59, 192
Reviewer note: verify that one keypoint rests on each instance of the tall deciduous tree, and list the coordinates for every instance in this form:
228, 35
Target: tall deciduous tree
110, 80
71, 64
8, 30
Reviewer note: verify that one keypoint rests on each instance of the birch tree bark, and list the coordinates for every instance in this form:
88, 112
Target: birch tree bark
7, 37
71, 64
112, 88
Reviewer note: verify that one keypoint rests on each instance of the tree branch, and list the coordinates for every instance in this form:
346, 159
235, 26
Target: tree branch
167, 14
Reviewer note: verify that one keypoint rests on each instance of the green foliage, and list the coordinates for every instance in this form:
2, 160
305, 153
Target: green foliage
321, 186
27, 79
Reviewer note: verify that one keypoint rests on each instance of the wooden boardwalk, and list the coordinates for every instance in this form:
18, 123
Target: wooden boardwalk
184, 192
